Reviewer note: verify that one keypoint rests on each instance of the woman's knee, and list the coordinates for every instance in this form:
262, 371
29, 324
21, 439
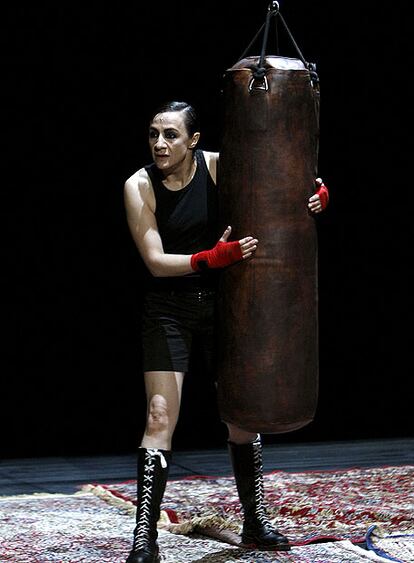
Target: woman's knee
239, 436
160, 419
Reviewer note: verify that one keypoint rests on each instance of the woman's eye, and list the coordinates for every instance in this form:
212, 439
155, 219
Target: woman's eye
171, 135
153, 134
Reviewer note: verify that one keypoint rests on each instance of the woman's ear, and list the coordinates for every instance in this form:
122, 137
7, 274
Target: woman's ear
194, 140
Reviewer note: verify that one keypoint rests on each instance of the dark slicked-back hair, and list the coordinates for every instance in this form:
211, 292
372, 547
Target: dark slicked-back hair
190, 116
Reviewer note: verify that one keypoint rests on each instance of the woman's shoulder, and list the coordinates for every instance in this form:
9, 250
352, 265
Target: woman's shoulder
210, 156
211, 159
139, 184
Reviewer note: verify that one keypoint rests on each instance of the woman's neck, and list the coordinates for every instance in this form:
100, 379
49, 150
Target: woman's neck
180, 178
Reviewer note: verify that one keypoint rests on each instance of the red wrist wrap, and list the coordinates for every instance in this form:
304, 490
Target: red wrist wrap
223, 254
323, 194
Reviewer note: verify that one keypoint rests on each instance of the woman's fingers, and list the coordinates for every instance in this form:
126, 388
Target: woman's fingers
226, 234
315, 204
248, 240
248, 246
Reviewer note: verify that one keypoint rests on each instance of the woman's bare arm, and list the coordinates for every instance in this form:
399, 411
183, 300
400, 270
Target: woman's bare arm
140, 209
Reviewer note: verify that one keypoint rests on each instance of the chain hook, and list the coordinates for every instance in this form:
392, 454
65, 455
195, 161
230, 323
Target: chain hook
274, 7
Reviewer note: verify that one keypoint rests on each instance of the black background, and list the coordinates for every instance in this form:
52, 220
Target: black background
77, 85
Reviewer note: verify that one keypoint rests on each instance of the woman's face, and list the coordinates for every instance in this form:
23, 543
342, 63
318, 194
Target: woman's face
169, 140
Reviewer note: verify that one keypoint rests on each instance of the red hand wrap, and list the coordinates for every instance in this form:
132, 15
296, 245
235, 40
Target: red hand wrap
323, 194
223, 254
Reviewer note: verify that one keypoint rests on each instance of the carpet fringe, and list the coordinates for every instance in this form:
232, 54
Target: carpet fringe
123, 504
201, 524
126, 505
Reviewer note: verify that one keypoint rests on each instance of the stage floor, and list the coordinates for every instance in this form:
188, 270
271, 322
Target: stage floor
67, 474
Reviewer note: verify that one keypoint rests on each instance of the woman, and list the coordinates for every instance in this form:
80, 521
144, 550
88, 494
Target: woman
172, 215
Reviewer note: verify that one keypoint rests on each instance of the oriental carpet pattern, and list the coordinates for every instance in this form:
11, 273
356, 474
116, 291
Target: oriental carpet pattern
95, 525
81, 528
307, 507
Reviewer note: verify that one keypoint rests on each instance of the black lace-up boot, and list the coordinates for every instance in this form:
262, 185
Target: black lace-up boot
258, 532
153, 465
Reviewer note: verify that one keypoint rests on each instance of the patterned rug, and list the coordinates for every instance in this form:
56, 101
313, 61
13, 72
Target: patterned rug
307, 507
62, 528
81, 528
394, 547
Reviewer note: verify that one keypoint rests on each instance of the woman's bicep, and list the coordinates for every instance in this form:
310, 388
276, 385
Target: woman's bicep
142, 224
149, 240
144, 229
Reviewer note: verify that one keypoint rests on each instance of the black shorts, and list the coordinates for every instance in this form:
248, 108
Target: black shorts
175, 323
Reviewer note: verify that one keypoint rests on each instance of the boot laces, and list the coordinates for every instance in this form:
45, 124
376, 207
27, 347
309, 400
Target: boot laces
154, 452
142, 529
258, 483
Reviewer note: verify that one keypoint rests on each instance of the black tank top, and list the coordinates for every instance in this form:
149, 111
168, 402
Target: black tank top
187, 219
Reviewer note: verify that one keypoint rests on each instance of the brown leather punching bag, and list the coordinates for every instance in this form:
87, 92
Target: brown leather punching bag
268, 322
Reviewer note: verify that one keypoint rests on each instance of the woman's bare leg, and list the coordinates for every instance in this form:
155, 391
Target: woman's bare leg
239, 436
163, 390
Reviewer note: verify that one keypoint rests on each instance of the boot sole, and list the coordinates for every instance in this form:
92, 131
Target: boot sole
156, 560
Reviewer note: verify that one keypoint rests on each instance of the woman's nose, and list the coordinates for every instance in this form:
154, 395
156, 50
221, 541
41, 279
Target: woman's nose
160, 142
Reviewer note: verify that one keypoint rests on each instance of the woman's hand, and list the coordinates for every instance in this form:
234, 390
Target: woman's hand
224, 253
248, 245
319, 200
